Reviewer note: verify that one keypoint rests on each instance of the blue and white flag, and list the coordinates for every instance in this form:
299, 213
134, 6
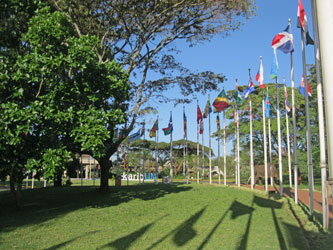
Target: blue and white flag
135, 136
284, 41
249, 88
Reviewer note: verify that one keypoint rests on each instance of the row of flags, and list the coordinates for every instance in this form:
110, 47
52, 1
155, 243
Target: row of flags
284, 42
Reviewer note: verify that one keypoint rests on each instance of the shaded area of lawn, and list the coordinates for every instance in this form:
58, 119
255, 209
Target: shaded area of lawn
149, 217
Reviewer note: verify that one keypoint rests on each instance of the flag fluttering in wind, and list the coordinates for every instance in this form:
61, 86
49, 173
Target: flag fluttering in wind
201, 127
185, 123
260, 76
238, 96
286, 97
249, 88
152, 132
221, 102
302, 22
301, 88
275, 67
207, 110
284, 41
135, 136
218, 121
267, 106
169, 129
199, 115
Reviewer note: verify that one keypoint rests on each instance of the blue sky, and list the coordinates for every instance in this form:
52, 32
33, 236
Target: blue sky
233, 56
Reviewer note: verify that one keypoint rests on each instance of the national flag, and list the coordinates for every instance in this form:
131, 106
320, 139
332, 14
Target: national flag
185, 123
286, 97
301, 88
135, 136
249, 89
199, 114
201, 126
267, 106
284, 41
218, 121
275, 67
169, 129
152, 132
238, 96
207, 110
221, 102
302, 22
260, 76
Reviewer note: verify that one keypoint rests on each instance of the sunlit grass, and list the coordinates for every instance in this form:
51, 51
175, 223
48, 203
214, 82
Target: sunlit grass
148, 217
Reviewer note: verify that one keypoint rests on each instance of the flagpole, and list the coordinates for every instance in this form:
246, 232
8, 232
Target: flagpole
184, 165
171, 166
238, 158
218, 149
203, 153
156, 154
325, 23
270, 151
264, 129
235, 151
294, 124
309, 150
225, 152
320, 116
279, 136
210, 147
288, 141
251, 144
198, 154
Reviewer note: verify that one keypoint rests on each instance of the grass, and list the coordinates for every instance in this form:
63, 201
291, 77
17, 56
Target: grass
148, 217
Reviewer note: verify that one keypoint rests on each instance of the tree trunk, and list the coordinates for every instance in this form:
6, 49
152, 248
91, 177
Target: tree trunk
16, 192
105, 165
58, 179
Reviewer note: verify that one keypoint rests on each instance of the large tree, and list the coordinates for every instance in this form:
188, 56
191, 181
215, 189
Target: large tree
140, 35
56, 97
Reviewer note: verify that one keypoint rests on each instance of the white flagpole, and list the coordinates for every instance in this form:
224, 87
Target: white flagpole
294, 124
265, 143
238, 157
203, 153
279, 137
288, 143
270, 151
225, 152
171, 165
218, 151
320, 117
309, 150
156, 154
251, 145
210, 147
198, 154
235, 151
184, 164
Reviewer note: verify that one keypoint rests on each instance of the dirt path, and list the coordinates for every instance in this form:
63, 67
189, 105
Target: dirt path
303, 196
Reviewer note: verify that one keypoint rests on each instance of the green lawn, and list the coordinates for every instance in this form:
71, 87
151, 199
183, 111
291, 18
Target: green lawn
148, 217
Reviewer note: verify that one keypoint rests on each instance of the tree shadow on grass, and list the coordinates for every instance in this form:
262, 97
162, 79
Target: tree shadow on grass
40, 205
